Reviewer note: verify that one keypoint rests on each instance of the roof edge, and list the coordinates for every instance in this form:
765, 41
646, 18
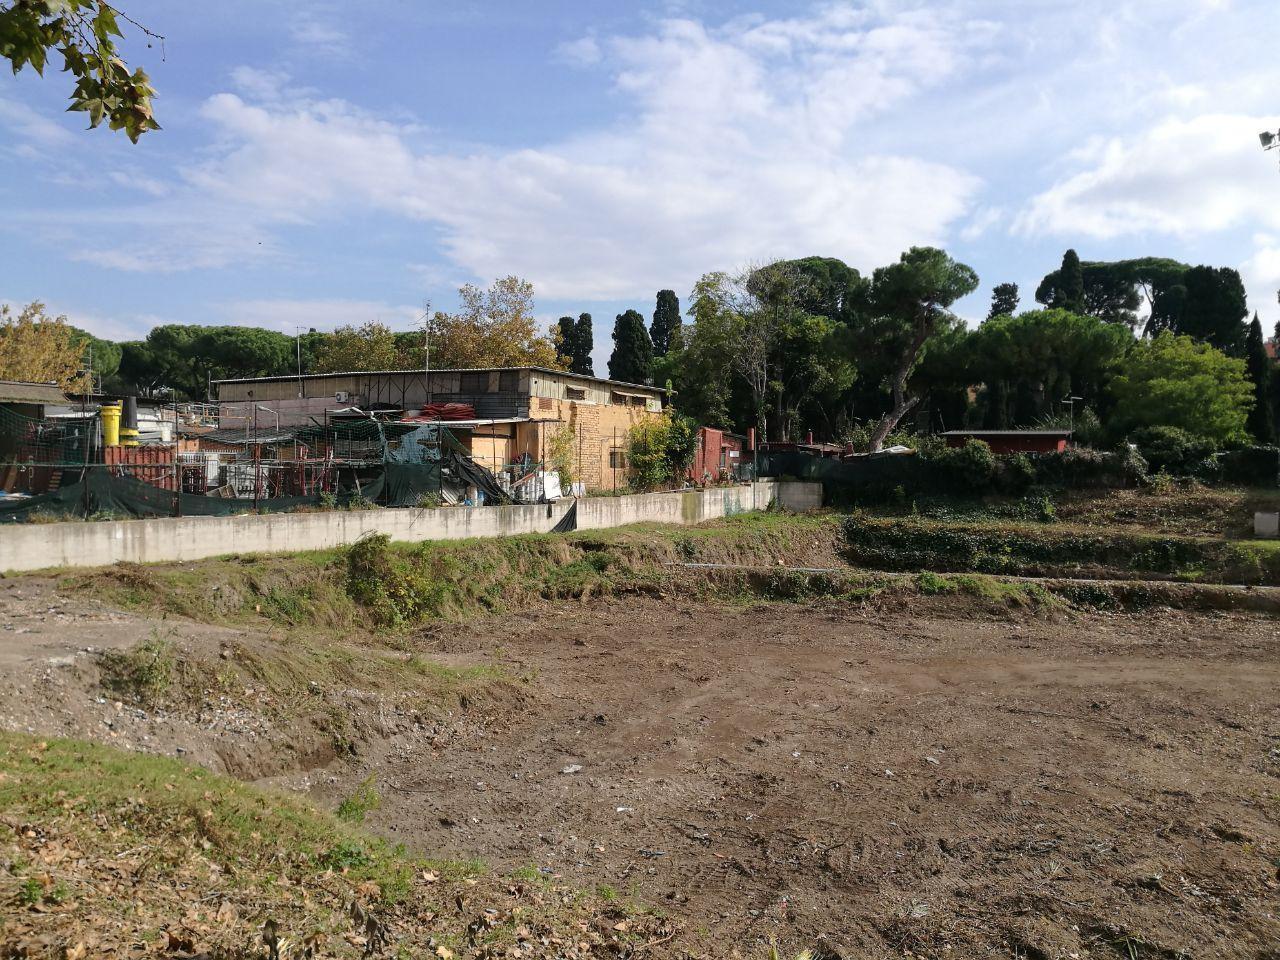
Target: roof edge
377, 373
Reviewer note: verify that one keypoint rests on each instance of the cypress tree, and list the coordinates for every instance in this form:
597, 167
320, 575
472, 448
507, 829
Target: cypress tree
584, 343
632, 358
1069, 294
1260, 423
666, 320
1004, 300
1214, 309
567, 347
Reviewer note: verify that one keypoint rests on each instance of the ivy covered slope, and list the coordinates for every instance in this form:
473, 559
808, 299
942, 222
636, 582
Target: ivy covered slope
1042, 550
107, 853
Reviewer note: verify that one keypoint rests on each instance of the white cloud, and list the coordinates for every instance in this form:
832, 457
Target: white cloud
583, 52
1261, 273
742, 143
287, 315
320, 35
32, 126
1178, 177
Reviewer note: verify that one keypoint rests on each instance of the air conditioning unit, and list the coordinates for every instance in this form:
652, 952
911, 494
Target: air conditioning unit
342, 396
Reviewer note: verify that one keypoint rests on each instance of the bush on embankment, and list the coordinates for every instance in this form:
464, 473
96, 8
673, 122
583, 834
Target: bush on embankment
376, 582
909, 544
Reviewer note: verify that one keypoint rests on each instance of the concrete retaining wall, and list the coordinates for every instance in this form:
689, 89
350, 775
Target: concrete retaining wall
1266, 524
83, 544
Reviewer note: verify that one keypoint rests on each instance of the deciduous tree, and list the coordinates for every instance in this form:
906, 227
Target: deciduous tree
84, 32
494, 328
1176, 382
370, 346
37, 348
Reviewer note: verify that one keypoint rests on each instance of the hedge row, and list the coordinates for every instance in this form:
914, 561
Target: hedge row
917, 544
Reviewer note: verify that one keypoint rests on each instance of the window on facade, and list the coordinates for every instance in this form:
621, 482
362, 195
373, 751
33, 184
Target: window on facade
509, 381
637, 401
475, 383
617, 460
575, 393
546, 403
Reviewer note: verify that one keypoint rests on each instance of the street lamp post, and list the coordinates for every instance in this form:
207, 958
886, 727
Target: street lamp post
1071, 408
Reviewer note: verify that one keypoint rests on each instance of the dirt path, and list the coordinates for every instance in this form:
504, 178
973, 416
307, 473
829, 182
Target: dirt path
875, 783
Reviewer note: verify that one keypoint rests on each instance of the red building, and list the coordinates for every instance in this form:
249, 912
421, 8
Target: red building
717, 456
1013, 441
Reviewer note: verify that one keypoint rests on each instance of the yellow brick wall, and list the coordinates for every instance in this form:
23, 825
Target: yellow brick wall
597, 429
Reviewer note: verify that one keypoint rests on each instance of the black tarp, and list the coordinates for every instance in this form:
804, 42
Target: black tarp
569, 522
113, 496
108, 495
871, 477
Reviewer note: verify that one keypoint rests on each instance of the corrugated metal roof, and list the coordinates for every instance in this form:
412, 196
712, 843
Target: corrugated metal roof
388, 373
20, 391
1007, 433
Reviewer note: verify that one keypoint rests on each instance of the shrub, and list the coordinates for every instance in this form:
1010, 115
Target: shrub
1081, 467
142, 674
363, 799
1251, 466
660, 449
560, 447
971, 467
1171, 449
1015, 474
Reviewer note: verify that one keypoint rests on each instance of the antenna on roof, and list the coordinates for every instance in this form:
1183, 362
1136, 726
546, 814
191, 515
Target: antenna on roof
1269, 140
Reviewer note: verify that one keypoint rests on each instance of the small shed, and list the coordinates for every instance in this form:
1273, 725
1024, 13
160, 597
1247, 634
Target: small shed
718, 455
1012, 441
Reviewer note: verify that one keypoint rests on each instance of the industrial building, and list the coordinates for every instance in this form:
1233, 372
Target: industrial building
500, 415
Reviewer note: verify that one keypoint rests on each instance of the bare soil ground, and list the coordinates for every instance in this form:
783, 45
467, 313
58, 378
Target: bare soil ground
935, 781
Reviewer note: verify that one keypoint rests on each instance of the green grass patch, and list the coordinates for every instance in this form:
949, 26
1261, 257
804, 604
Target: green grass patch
102, 851
118, 798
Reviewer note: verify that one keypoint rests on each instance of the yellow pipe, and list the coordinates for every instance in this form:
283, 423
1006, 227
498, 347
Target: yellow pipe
128, 437
111, 424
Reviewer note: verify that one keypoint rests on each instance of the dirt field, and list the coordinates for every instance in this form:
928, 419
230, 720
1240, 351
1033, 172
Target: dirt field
864, 782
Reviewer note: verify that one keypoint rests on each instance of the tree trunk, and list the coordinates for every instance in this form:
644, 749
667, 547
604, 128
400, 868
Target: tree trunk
902, 404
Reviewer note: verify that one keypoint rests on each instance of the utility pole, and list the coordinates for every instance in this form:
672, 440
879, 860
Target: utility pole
86, 426
426, 346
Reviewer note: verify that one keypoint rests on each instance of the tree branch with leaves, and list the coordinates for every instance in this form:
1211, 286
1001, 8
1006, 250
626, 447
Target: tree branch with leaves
85, 32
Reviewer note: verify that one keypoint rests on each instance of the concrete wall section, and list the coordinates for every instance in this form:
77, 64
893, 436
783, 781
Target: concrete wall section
1266, 524
79, 544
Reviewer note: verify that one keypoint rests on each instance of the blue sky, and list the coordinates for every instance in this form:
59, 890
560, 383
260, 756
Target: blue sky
317, 167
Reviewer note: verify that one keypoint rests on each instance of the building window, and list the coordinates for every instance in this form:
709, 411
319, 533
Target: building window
575, 393
477, 382
617, 460
546, 403
618, 398
509, 381
638, 401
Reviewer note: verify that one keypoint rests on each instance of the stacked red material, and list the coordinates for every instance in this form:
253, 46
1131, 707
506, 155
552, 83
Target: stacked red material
447, 411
